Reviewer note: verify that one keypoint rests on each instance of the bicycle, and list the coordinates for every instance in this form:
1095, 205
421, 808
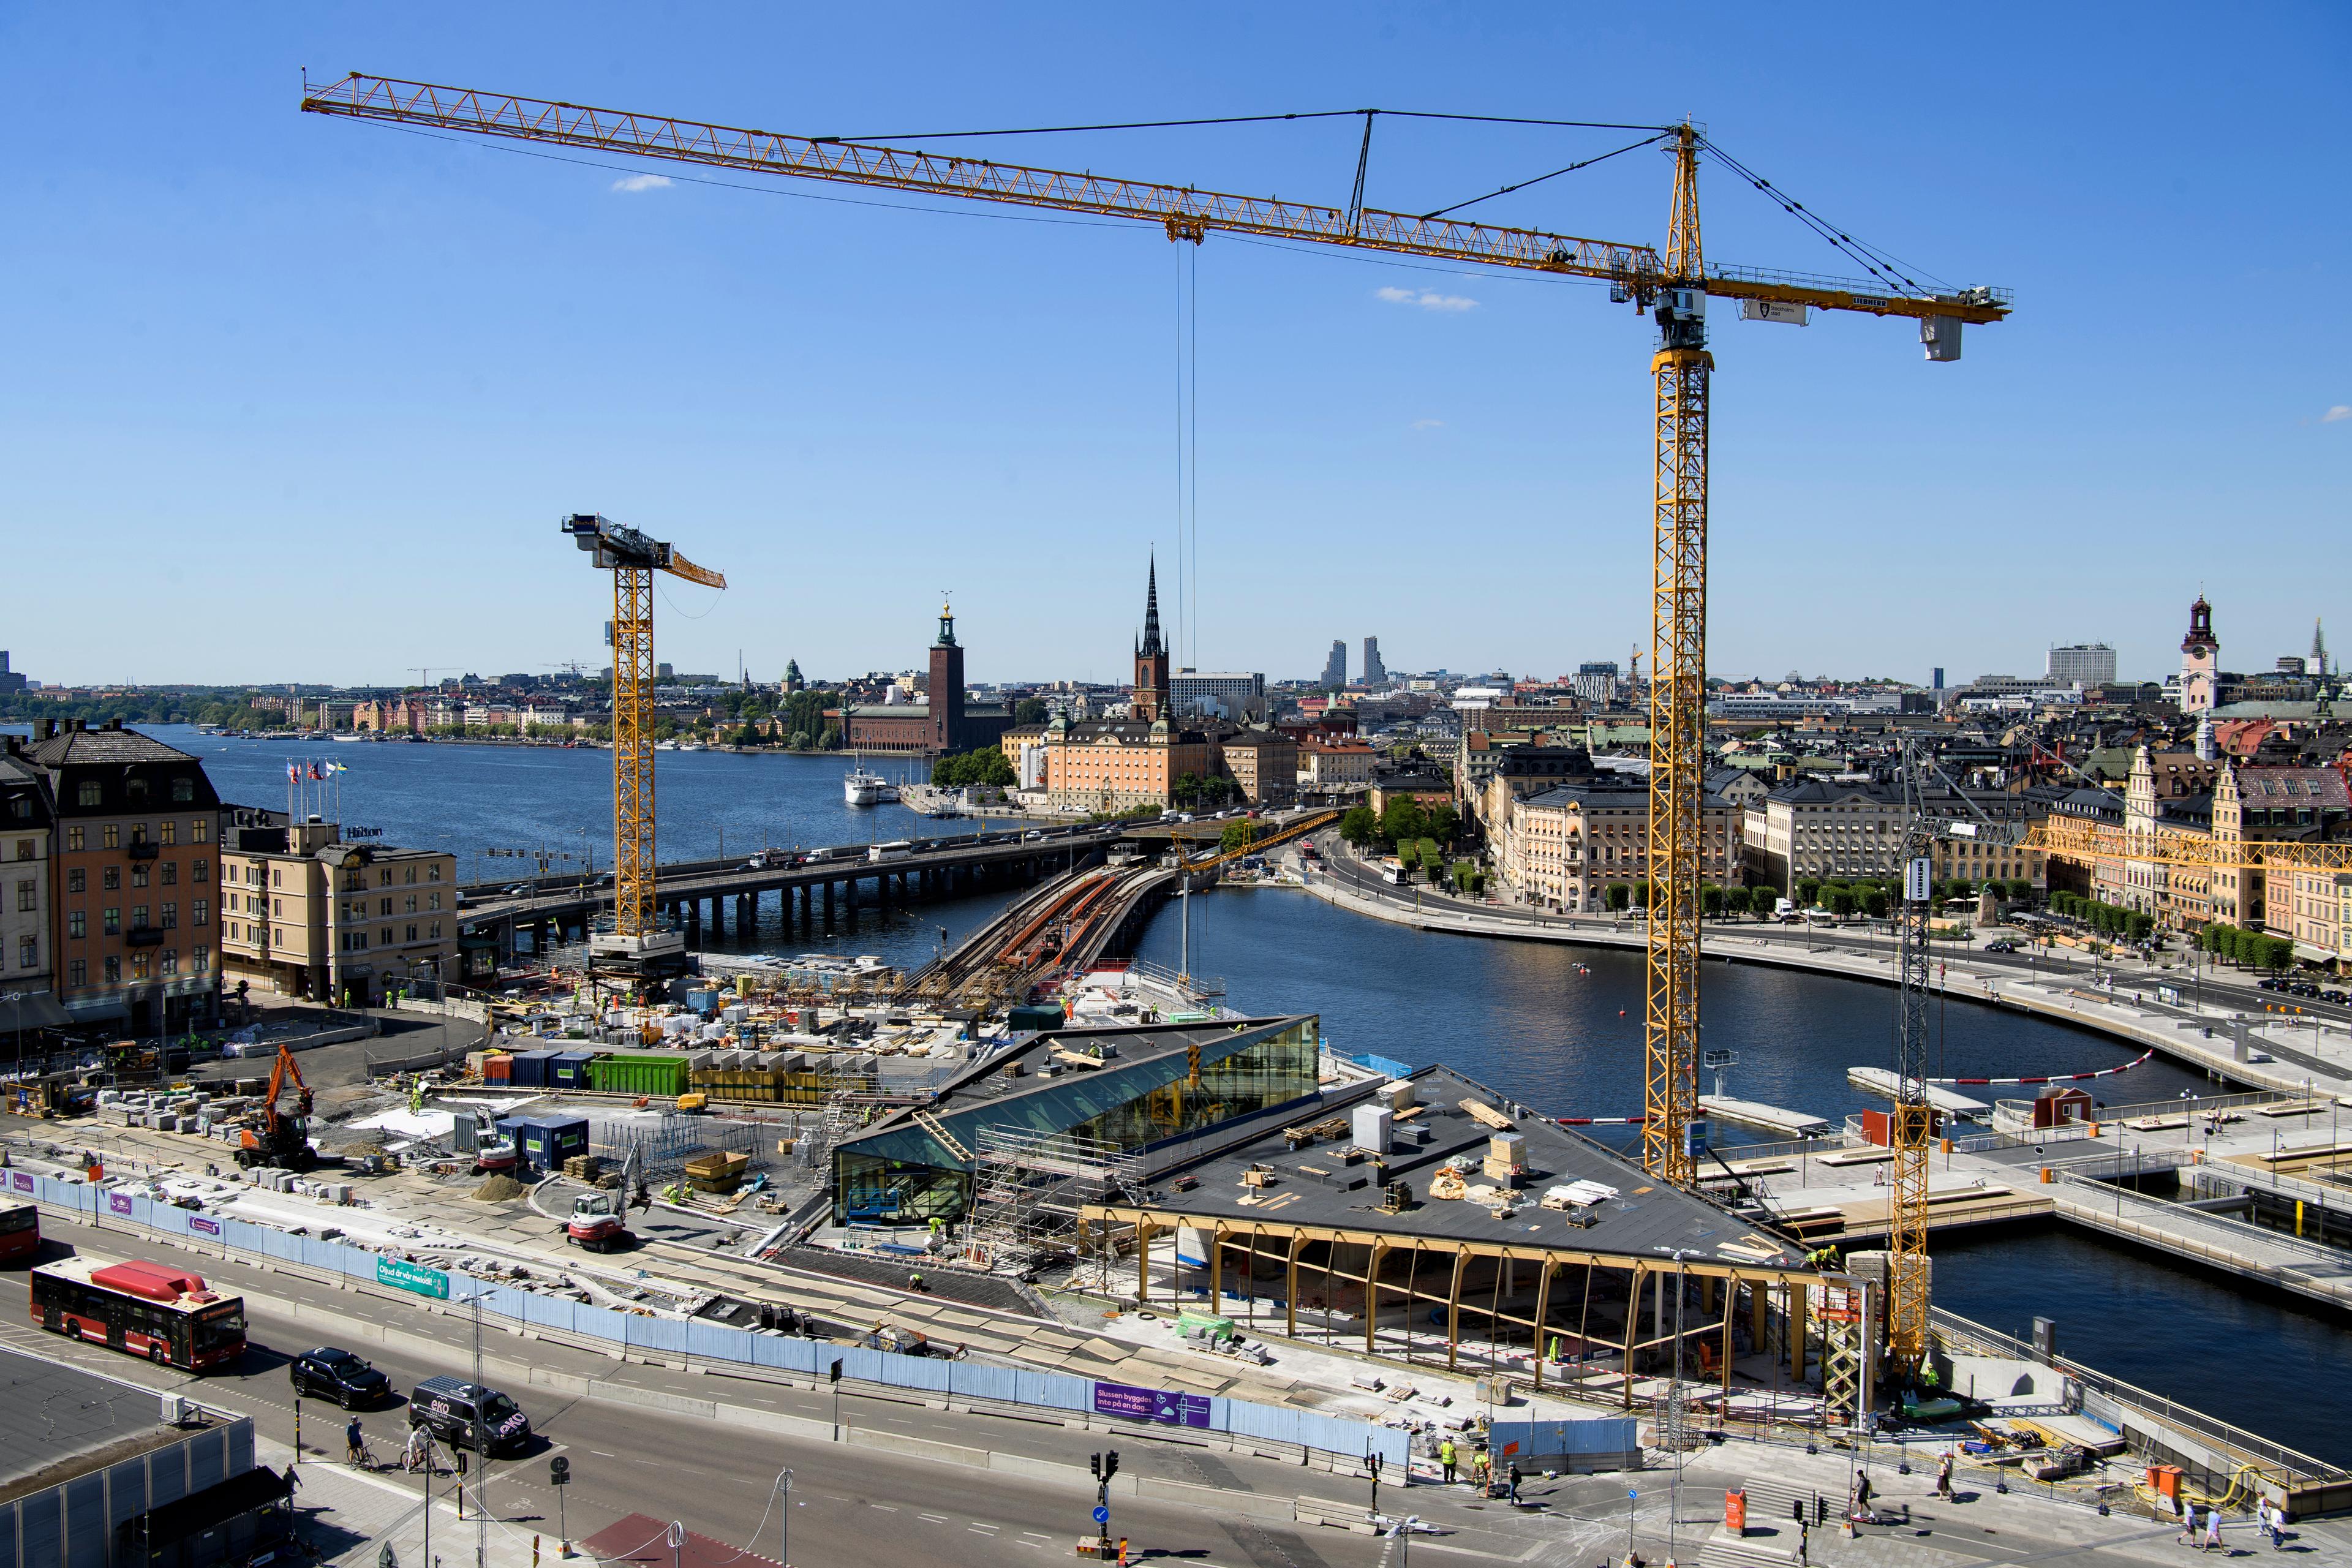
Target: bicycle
357, 1455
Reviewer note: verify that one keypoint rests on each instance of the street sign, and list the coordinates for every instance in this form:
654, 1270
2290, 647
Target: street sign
403, 1276
1102, 1514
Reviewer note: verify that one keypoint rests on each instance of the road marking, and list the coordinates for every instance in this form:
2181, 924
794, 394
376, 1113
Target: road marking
885, 1507
602, 1455
934, 1517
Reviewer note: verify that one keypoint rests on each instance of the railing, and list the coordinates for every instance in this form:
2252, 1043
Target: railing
2135, 1222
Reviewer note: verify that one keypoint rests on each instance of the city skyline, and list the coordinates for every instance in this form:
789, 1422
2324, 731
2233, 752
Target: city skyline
433, 400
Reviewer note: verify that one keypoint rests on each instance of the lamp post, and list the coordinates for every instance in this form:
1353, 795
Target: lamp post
783, 1496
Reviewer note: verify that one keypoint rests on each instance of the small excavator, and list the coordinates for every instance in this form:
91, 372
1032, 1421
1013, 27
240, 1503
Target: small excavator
599, 1220
271, 1136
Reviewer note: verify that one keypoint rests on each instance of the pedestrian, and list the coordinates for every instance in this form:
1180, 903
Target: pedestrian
1445, 1458
2213, 1530
1512, 1476
2188, 1536
1944, 1475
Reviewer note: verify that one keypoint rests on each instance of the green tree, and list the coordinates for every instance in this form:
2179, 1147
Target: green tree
1642, 891
1235, 835
1029, 711
1875, 903
2278, 953
748, 736
1444, 822
1619, 895
2143, 926
982, 768
1842, 901
1710, 899
1403, 819
1358, 827
1809, 891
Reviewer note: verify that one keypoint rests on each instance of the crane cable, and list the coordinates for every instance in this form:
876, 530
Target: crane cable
1869, 257
1244, 119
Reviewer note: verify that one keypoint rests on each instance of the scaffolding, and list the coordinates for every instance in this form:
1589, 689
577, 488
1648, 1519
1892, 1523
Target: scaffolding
1026, 1187
663, 1147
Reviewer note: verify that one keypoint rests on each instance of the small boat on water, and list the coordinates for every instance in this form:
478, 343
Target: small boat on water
859, 787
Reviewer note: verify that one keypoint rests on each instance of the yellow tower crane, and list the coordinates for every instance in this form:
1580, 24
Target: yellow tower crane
1673, 288
637, 944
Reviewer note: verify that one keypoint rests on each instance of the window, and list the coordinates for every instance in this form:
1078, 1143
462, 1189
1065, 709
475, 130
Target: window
171, 917
73, 838
110, 835
76, 925
77, 973
89, 793
433, 875
433, 901
200, 912
383, 938
28, 892
277, 906
184, 789
135, 789
110, 878
411, 910
412, 933
274, 874
281, 936
113, 971
200, 872
170, 873
139, 875
139, 962
199, 831
28, 953
410, 877
137, 916
169, 833
437, 931
383, 878
77, 880
24, 846
201, 960
110, 921
171, 964
387, 905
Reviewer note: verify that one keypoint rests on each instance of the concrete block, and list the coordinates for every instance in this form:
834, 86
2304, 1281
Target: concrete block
775, 1421
1348, 1516
920, 1447
652, 1399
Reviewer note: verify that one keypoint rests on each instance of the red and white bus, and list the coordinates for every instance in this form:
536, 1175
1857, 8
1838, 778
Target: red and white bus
143, 1309
20, 1231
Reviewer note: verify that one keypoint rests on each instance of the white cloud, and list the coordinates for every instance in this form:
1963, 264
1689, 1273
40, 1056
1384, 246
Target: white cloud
641, 183
2342, 411
1429, 424
1427, 298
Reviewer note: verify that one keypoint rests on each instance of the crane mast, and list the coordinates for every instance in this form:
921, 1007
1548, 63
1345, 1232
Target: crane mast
1674, 285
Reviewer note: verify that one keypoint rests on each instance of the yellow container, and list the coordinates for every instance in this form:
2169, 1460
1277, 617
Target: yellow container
692, 1102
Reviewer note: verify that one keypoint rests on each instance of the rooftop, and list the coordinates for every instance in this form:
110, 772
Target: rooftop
1317, 1186
69, 1422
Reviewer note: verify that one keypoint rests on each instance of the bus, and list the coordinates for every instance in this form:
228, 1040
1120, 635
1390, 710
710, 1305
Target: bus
1392, 871
141, 1308
20, 1231
898, 849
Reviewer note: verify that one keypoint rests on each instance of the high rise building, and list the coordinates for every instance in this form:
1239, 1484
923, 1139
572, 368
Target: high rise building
1236, 695
2200, 653
1375, 672
2084, 665
1596, 682
1334, 669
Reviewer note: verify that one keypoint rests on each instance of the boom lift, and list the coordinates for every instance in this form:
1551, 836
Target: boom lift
1673, 288
636, 945
271, 1137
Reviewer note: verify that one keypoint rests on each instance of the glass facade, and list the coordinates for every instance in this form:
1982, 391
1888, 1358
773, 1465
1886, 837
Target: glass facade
905, 1175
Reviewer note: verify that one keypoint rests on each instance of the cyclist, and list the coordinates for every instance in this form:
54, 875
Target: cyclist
354, 1444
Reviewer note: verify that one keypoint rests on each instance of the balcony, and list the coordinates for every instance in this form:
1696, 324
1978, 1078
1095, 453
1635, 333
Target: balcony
144, 936
142, 850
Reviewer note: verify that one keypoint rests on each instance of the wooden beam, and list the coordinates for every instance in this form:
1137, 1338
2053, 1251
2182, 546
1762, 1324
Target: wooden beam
1632, 1315
1730, 1301
1143, 1260
1797, 1295
1543, 1309
1372, 1295
1290, 1286
1216, 1266
1453, 1312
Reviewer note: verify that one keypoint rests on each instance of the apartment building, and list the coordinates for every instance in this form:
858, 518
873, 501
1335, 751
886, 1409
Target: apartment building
1563, 848
306, 914
132, 860
1324, 765
1263, 764
26, 985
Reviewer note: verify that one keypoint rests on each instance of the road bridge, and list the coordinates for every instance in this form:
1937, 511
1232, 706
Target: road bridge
813, 888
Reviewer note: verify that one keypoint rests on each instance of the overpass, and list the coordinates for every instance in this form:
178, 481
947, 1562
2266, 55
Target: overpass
813, 887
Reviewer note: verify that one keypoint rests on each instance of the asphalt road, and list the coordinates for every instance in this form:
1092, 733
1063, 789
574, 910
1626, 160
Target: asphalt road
851, 1504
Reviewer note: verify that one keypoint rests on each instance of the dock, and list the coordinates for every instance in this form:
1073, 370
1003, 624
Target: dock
1881, 1082
1763, 1117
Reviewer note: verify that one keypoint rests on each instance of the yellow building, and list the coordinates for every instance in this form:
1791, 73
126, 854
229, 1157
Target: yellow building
306, 914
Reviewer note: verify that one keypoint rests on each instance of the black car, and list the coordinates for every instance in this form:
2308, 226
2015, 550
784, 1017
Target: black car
337, 1374
466, 1415
2002, 946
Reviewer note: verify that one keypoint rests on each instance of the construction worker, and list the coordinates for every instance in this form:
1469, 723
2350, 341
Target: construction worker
915, 1282
1445, 1458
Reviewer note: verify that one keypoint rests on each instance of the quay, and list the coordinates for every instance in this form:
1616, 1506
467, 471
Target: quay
1943, 1101
1763, 1117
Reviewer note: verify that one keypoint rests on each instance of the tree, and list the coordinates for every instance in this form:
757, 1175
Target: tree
1029, 711
1619, 895
1444, 822
1809, 891
1875, 903
1710, 899
1842, 901
1404, 819
982, 768
748, 736
1235, 835
2277, 954
2143, 926
1642, 892
1358, 825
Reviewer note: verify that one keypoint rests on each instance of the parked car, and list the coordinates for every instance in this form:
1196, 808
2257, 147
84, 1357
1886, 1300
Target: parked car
327, 1373
466, 1414
2002, 946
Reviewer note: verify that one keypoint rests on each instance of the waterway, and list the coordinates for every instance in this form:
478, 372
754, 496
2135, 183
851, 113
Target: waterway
1558, 1027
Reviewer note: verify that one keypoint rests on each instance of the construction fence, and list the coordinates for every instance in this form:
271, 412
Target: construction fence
618, 1332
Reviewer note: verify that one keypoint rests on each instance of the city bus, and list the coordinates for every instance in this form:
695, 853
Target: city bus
898, 849
141, 1308
20, 1231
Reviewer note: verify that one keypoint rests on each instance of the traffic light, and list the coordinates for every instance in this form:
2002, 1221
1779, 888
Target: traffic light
1094, 1465
559, 1471
835, 1374
1110, 1464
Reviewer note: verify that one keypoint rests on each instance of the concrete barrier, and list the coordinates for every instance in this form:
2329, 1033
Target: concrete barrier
920, 1447
1252, 1505
1348, 1516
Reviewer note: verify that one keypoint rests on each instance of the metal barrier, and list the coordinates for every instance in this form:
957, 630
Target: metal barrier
1343, 1436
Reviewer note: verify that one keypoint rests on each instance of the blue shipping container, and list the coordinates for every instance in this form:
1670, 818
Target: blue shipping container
544, 1143
569, 1070
530, 1069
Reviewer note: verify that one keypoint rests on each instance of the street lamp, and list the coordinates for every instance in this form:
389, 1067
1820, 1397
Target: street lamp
782, 1493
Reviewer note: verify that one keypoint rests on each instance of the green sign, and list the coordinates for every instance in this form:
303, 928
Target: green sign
412, 1276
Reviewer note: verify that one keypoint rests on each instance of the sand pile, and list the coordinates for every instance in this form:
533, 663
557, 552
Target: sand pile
500, 1189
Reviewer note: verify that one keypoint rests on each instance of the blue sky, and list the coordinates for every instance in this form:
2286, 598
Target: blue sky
298, 398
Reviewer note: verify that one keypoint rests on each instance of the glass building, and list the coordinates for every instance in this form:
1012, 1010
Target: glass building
1158, 1086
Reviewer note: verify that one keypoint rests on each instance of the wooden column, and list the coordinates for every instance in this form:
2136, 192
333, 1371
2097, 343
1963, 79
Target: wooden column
1290, 1286
1543, 1311
1730, 1302
1797, 1292
1633, 1321
1143, 1258
1372, 1294
1216, 1265
1453, 1312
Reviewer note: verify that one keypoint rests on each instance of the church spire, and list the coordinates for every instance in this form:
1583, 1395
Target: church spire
1151, 610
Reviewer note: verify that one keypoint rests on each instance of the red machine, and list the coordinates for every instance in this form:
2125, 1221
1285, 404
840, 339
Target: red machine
271, 1137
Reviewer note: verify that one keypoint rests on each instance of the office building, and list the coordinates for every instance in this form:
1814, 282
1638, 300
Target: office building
1231, 695
2086, 665
1334, 669
305, 914
1375, 672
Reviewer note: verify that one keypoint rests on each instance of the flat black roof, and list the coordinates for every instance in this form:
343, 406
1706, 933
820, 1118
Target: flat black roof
1314, 1186
64, 1422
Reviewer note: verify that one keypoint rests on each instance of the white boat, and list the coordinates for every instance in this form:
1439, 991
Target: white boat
859, 787
693, 746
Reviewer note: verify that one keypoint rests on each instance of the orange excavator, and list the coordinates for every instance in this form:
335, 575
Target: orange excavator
272, 1137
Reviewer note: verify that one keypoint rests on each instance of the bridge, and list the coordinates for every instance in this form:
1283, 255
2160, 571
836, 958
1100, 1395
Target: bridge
813, 887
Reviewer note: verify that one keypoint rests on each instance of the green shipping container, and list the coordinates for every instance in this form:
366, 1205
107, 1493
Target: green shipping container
633, 1073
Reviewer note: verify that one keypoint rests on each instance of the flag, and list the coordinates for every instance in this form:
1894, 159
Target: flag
315, 772
293, 770
337, 768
